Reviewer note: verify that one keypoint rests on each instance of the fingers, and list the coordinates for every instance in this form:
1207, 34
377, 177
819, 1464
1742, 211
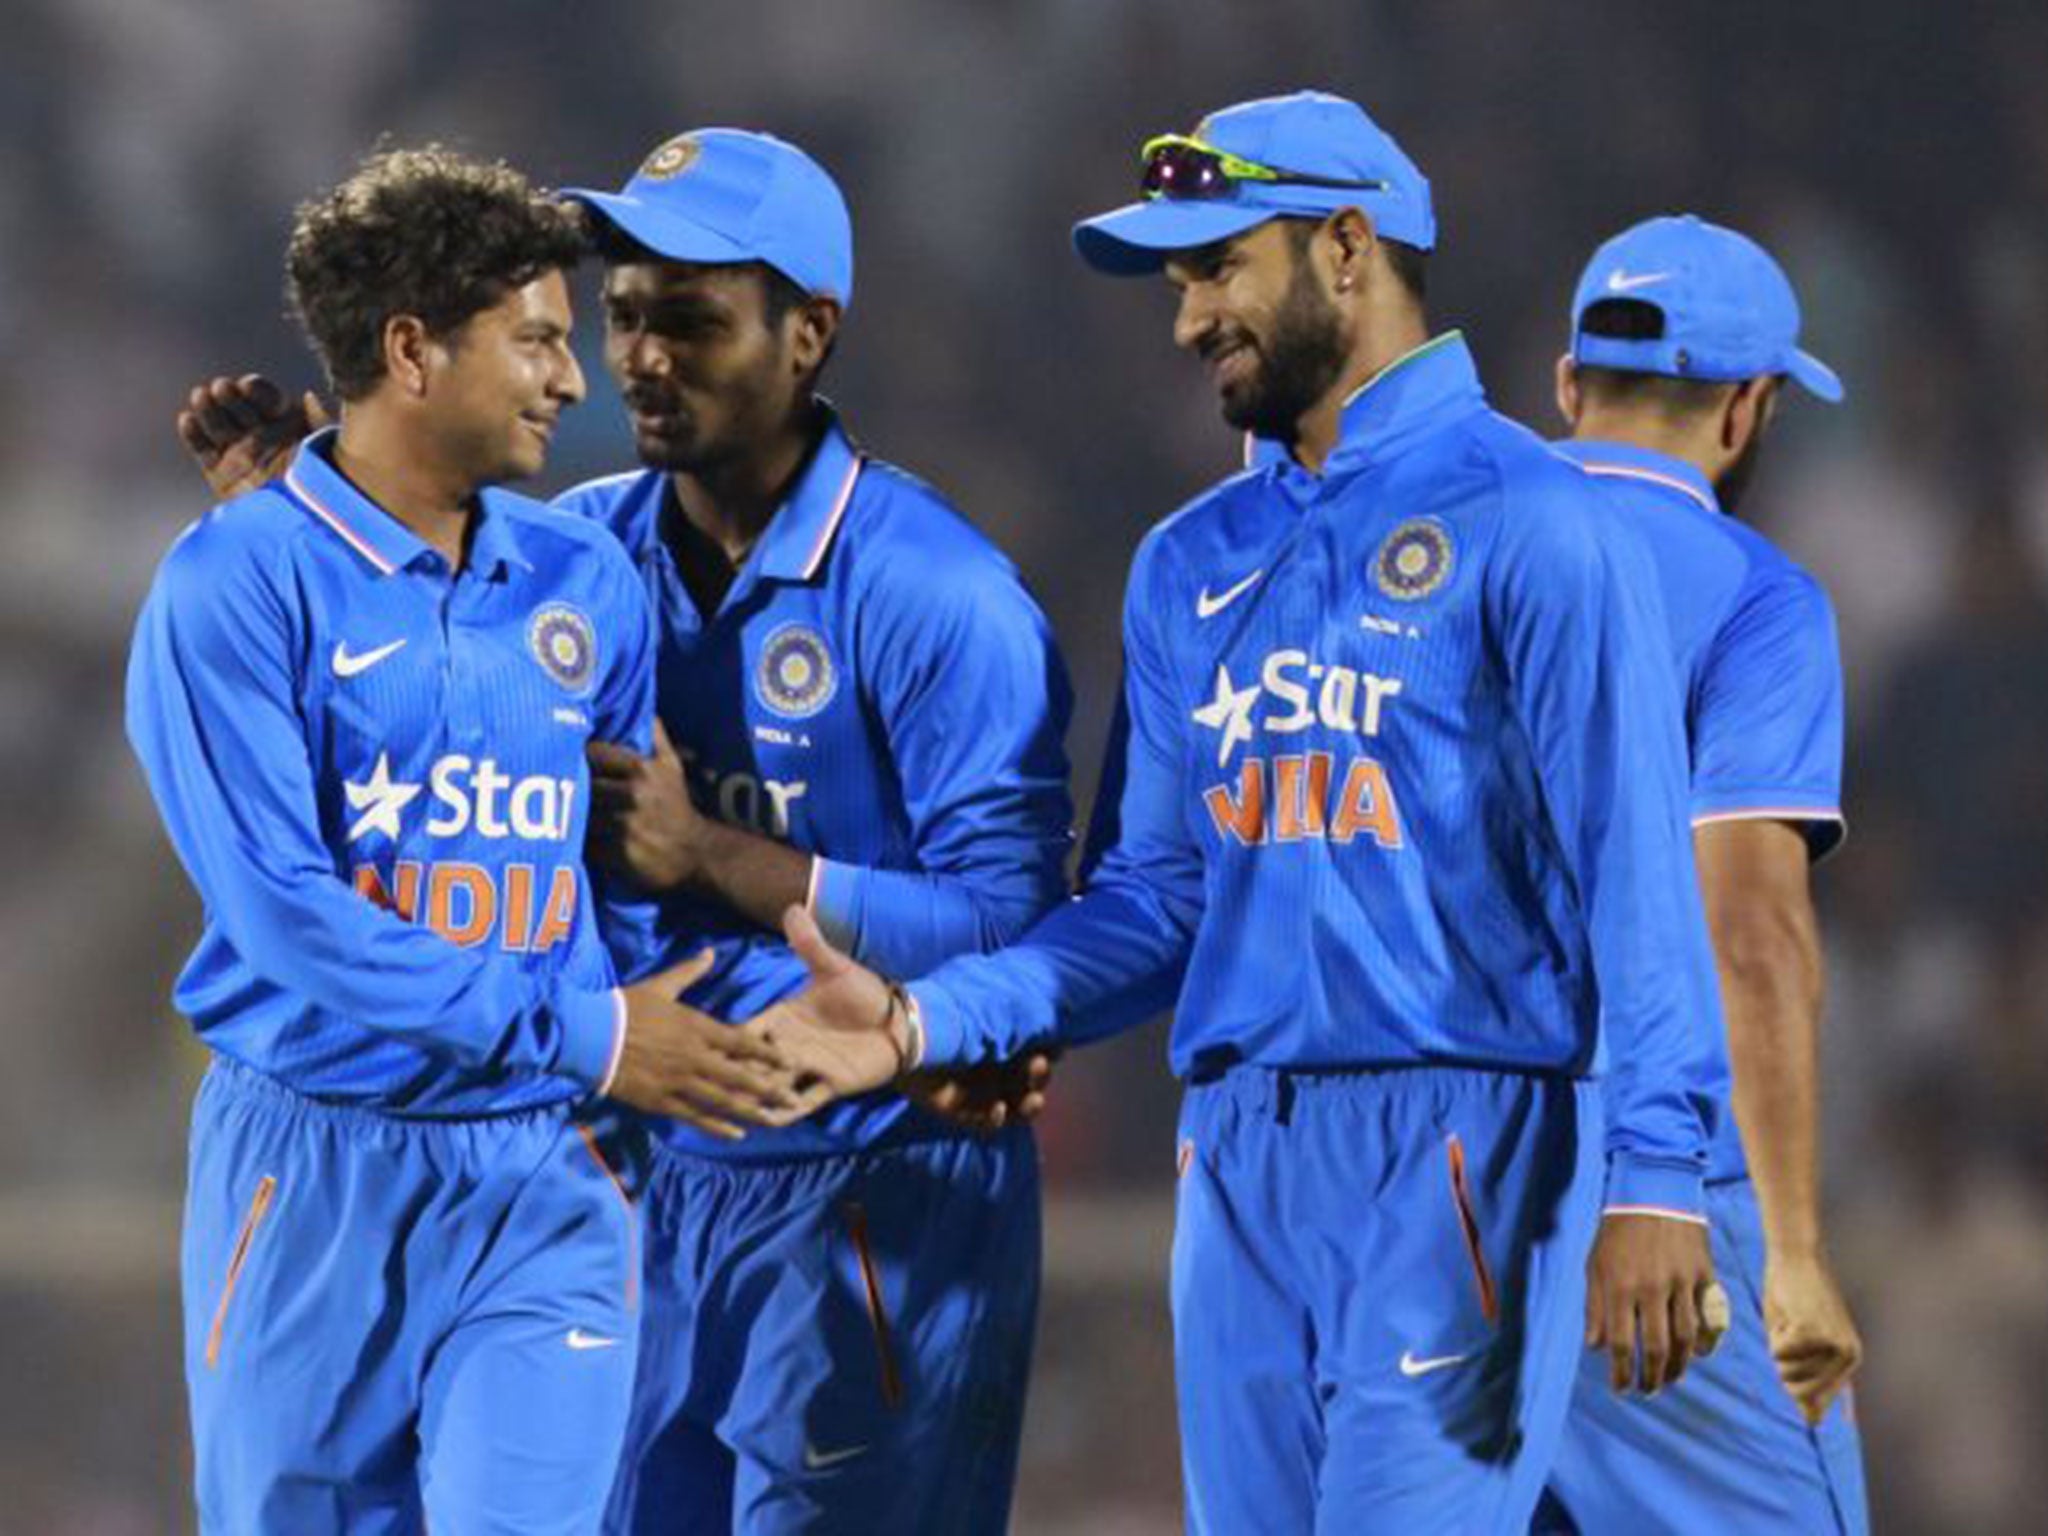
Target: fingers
683, 975
664, 749
1653, 1329
1814, 1371
612, 760
693, 970
1714, 1316
236, 408
610, 795
811, 945
1621, 1353
194, 436
754, 1042
259, 397
1682, 1312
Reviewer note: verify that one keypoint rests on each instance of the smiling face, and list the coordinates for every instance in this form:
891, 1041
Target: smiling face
1255, 311
501, 380
708, 367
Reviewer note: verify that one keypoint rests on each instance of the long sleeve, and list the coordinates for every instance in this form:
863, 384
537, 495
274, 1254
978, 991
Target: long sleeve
973, 702
1581, 639
1075, 975
213, 714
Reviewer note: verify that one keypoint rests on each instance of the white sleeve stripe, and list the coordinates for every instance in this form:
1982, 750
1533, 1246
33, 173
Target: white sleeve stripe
1772, 813
1662, 1211
811, 884
611, 1066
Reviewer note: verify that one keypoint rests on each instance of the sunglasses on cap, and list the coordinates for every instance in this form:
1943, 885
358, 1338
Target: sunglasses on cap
1186, 169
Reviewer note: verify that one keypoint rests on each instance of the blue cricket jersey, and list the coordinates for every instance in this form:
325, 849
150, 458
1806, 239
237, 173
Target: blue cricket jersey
876, 689
1753, 636
1403, 785
373, 770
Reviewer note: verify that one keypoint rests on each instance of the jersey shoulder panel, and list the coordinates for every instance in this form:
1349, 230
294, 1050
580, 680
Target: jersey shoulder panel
1538, 503
255, 536
899, 528
1213, 512
620, 502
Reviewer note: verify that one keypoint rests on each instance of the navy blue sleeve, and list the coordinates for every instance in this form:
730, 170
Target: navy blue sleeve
973, 701
1767, 713
1083, 971
213, 714
1582, 638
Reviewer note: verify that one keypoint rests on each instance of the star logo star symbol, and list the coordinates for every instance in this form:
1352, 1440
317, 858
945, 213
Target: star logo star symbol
380, 801
1229, 712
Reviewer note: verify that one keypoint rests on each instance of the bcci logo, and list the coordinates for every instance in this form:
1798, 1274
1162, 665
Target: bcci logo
672, 159
795, 677
564, 644
1414, 561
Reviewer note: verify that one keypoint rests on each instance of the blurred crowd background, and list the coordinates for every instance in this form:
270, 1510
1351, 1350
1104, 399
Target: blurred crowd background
1894, 155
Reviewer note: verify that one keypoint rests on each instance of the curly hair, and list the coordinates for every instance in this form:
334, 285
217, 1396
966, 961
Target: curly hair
424, 232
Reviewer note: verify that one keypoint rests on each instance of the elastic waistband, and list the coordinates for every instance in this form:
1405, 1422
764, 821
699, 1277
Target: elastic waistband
912, 1135
1274, 1091
242, 1082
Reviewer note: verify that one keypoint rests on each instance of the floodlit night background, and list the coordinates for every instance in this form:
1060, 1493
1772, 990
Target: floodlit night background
1893, 155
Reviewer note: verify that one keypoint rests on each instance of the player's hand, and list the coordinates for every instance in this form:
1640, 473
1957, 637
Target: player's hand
242, 432
687, 1065
844, 1033
642, 822
985, 1098
1651, 1297
1813, 1338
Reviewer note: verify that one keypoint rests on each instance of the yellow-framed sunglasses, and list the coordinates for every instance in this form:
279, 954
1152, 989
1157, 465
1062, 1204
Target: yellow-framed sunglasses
1186, 169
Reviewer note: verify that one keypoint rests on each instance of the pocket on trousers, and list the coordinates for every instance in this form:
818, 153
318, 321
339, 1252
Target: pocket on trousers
238, 1259
1468, 1225
855, 1216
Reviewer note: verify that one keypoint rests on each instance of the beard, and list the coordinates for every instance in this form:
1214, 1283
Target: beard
1734, 482
1301, 360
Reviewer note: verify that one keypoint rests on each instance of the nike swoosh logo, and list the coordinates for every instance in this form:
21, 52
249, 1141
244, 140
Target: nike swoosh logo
1410, 1366
1208, 607
816, 1460
346, 665
578, 1339
1619, 281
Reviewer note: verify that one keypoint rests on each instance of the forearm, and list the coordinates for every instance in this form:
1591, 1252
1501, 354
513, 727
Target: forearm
753, 876
1773, 1010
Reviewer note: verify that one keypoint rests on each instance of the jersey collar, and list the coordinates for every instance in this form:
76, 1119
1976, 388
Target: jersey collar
1413, 394
798, 537
384, 543
1645, 466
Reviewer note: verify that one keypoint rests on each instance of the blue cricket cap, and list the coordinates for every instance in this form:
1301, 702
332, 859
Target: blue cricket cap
1310, 133
1729, 310
722, 195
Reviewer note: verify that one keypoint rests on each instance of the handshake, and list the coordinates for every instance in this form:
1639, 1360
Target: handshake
847, 1032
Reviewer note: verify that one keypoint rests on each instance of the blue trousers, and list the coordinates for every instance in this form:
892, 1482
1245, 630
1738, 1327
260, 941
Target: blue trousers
1378, 1296
391, 1323
837, 1346
1725, 1450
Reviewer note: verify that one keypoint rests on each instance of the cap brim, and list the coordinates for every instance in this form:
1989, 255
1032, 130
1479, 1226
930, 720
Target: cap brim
1816, 375
1135, 240
662, 231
